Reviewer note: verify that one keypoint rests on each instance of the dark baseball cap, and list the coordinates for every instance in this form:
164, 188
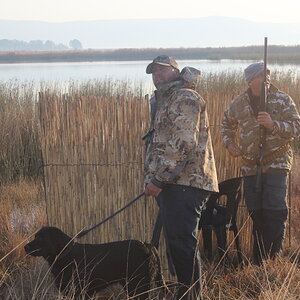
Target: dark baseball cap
163, 60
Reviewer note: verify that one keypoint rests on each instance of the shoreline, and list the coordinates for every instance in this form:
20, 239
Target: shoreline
276, 54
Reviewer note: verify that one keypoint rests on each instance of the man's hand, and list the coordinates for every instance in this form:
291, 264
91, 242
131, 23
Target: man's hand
152, 190
265, 120
234, 150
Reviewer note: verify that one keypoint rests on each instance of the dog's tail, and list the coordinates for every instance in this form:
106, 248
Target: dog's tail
156, 271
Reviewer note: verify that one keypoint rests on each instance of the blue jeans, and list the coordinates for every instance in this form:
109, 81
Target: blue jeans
180, 211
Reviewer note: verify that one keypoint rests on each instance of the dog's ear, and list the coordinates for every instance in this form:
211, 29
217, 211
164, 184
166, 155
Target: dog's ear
60, 239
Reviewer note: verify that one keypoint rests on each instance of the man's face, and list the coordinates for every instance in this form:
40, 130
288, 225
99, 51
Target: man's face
256, 83
163, 74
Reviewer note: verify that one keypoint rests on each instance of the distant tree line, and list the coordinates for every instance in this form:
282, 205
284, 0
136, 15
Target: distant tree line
37, 45
276, 54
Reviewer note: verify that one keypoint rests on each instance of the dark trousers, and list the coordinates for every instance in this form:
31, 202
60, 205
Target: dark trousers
268, 233
180, 210
268, 211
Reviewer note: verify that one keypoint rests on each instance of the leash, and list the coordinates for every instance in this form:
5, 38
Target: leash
84, 232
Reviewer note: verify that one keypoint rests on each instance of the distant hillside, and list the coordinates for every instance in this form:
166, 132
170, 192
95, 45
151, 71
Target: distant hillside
155, 33
276, 54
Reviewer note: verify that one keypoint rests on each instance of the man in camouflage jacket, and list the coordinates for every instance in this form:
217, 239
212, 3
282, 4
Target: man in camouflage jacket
179, 166
281, 121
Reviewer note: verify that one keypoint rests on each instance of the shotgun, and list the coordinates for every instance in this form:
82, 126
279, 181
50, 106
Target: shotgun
262, 130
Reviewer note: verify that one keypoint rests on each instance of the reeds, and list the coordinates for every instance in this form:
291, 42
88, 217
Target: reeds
20, 151
96, 144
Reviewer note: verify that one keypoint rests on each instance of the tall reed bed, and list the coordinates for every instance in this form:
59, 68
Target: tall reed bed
20, 151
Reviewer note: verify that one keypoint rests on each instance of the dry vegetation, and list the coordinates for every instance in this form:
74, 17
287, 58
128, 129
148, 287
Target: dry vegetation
23, 277
22, 210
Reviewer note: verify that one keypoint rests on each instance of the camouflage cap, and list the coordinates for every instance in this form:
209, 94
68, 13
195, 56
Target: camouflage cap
163, 60
190, 74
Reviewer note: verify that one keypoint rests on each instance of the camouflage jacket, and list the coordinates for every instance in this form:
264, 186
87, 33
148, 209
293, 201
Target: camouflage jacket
180, 151
239, 115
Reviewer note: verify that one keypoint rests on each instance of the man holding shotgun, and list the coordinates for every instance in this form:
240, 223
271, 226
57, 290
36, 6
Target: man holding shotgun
265, 134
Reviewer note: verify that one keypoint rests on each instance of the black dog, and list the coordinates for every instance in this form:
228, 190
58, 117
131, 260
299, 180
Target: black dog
91, 268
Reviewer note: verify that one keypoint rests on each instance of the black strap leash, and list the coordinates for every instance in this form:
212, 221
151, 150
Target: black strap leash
84, 232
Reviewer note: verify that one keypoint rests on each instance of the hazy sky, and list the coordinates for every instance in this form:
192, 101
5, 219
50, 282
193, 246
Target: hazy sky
277, 11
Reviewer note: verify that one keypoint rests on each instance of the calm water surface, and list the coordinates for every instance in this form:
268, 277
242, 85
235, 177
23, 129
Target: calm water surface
133, 71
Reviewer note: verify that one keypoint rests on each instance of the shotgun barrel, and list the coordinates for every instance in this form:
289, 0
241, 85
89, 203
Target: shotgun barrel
262, 130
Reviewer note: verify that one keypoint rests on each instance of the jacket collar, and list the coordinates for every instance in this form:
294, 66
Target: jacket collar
166, 89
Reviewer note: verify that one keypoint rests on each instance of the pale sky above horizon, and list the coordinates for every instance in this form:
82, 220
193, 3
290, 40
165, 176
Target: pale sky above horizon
275, 11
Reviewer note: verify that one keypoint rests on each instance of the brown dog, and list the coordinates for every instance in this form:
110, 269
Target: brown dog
91, 268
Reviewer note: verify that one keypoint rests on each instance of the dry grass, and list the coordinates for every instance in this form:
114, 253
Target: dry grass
274, 280
22, 213
23, 277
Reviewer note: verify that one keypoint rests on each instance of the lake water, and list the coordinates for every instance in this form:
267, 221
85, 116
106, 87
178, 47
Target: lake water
134, 71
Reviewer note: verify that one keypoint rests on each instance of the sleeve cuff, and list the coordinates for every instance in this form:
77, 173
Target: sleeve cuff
158, 183
275, 128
